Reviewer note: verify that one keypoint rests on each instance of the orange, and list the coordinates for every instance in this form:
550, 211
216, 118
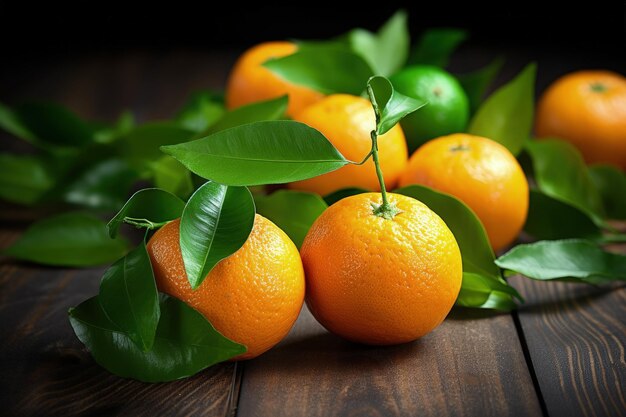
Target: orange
252, 297
588, 109
378, 281
250, 81
347, 122
481, 173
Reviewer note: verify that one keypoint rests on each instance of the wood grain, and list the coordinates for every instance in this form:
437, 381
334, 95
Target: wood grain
576, 337
472, 365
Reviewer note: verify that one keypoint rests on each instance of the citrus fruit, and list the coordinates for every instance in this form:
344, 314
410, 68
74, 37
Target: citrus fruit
588, 109
447, 110
250, 81
252, 297
347, 122
481, 173
380, 281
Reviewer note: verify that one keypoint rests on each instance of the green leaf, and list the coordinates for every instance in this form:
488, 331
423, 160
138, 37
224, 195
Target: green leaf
507, 114
386, 51
550, 218
109, 134
477, 82
293, 211
141, 146
329, 67
611, 184
199, 112
170, 175
570, 260
389, 105
561, 173
185, 342
10, 122
129, 297
332, 198
147, 208
270, 152
469, 232
436, 45
69, 239
215, 223
273, 109
103, 186
24, 179
478, 291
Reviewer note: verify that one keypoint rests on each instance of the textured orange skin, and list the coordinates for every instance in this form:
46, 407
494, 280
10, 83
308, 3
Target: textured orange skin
594, 122
377, 281
252, 297
486, 177
347, 122
250, 81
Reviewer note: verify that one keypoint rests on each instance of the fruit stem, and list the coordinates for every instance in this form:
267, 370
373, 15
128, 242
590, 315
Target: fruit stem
385, 210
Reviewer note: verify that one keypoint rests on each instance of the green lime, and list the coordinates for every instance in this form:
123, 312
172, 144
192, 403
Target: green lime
447, 110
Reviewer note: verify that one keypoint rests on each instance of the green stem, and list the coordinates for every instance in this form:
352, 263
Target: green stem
141, 223
386, 209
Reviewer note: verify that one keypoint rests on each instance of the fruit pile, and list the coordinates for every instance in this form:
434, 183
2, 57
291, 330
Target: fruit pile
393, 184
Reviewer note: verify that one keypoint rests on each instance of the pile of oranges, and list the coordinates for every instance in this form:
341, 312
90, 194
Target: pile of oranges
371, 279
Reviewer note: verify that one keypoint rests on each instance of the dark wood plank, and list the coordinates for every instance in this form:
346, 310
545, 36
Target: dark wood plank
472, 365
576, 337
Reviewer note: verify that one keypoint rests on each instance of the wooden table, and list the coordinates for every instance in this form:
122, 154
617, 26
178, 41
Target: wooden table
561, 354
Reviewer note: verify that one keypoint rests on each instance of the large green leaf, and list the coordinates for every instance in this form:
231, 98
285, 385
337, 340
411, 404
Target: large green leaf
141, 146
435, 46
561, 173
273, 109
478, 291
129, 297
270, 152
385, 51
24, 179
550, 218
185, 342
329, 67
172, 176
333, 197
293, 211
148, 208
477, 82
507, 114
570, 260
69, 239
611, 184
215, 223
200, 111
389, 105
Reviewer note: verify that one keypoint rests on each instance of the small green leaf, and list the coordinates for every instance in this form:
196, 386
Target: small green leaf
146, 208
109, 134
566, 260
611, 184
201, 110
386, 51
561, 173
550, 218
24, 179
273, 109
185, 342
215, 223
10, 122
293, 211
390, 105
103, 186
172, 176
436, 45
507, 114
478, 291
69, 239
329, 67
477, 82
129, 297
270, 152
332, 198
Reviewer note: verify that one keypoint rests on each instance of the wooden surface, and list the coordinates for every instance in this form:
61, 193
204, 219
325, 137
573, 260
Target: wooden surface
562, 354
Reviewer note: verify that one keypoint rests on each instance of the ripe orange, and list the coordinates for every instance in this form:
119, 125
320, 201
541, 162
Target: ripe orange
250, 81
347, 122
587, 108
480, 172
378, 281
252, 297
